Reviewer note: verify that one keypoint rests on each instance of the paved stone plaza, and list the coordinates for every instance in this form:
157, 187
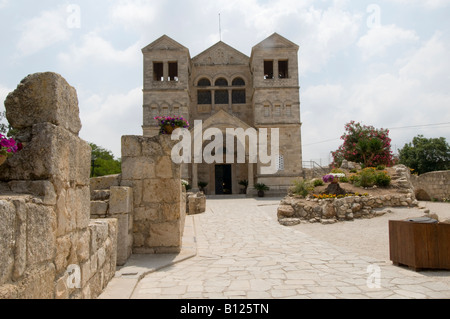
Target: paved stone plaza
237, 249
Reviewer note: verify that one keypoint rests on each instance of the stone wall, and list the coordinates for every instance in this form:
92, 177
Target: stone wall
433, 185
294, 210
159, 203
49, 246
110, 200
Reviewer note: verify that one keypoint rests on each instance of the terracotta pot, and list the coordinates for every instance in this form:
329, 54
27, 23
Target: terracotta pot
169, 128
3, 159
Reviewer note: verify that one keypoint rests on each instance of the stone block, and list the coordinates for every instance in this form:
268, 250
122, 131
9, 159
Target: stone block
43, 98
121, 200
170, 212
20, 253
123, 244
197, 204
164, 167
164, 235
105, 182
99, 208
131, 146
43, 189
52, 154
284, 211
41, 234
162, 191
8, 235
39, 283
136, 168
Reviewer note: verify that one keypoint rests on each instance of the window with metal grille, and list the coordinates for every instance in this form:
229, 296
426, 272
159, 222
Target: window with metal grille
280, 163
221, 82
204, 82
221, 97
204, 97
239, 97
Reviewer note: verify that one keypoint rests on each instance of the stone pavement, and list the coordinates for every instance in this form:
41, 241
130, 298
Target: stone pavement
237, 249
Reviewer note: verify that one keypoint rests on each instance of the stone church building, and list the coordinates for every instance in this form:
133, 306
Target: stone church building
228, 89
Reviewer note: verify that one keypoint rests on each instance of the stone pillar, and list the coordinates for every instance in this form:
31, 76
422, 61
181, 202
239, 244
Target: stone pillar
251, 182
121, 207
194, 178
158, 204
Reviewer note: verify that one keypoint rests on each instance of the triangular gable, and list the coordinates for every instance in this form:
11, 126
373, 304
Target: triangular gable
165, 43
275, 41
221, 54
223, 120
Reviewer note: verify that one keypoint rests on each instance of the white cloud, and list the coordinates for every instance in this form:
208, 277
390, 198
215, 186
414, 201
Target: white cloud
413, 92
107, 118
96, 49
380, 38
135, 14
3, 3
4, 91
428, 4
49, 28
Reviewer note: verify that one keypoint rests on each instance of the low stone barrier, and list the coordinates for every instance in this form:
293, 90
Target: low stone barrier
294, 210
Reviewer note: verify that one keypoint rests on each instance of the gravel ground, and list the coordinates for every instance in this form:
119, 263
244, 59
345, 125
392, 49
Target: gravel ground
370, 237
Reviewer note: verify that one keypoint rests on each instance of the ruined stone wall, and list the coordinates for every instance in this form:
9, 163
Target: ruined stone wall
110, 200
433, 185
49, 246
159, 203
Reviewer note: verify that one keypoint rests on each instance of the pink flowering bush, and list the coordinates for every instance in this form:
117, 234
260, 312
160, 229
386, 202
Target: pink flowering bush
364, 144
8, 146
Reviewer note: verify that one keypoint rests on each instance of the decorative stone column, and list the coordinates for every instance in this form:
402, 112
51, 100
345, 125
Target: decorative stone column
195, 188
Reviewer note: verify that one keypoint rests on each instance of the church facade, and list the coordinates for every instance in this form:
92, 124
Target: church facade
225, 88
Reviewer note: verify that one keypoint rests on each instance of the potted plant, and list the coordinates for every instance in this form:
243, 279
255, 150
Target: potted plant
8, 147
202, 186
186, 185
168, 124
245, 184
261, 188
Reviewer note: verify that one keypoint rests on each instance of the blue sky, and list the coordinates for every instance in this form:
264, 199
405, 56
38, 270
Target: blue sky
382, 63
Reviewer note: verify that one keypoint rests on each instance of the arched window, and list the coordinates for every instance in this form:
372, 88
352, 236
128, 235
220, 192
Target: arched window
204, 82
238, 82
221, 82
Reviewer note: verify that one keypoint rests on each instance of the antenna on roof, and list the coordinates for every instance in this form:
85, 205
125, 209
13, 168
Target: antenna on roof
220, 28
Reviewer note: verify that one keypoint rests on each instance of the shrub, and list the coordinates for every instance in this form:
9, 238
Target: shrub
344, 179
318, 182
367, 177
382, 179
302, 187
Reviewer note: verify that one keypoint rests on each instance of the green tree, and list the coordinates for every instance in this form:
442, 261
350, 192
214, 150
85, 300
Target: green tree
426, 154
103, 162
364, 144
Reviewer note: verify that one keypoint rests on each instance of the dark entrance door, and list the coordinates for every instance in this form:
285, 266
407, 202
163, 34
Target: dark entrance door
223, 179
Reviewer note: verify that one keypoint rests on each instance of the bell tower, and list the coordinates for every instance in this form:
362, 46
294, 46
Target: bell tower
166, 82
